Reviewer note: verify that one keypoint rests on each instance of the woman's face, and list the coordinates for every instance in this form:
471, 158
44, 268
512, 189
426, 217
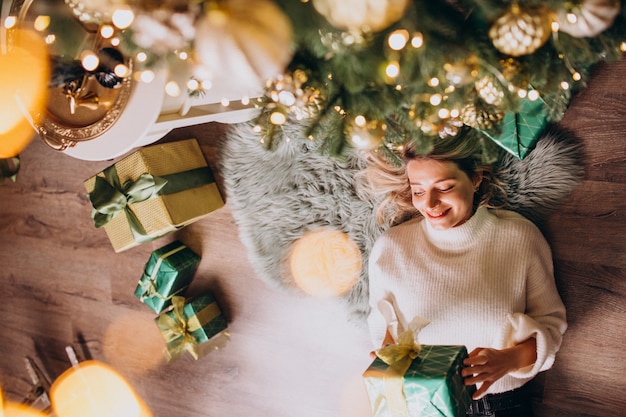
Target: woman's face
442, 192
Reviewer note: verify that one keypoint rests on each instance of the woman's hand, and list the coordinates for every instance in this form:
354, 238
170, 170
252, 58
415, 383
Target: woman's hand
485, 366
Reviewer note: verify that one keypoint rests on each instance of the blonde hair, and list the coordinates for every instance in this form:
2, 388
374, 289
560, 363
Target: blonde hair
388, 185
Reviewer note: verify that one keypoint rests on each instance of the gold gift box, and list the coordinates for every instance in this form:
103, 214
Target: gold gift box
163, 214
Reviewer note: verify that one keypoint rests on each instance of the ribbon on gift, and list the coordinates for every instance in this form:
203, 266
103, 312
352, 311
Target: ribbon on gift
399, 357
177, 330
148, 283
109, 198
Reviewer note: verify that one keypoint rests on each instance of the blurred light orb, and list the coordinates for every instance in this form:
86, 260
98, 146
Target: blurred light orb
24, 77
325, 263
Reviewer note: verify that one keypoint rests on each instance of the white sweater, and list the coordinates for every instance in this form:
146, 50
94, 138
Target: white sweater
486, 283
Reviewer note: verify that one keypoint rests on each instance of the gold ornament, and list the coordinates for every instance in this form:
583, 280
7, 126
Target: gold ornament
588, 19
488, 91
481, 117
521, 31
361, 15
243, 43
366, 135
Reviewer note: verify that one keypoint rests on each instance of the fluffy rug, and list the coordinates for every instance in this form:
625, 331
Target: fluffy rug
276, 196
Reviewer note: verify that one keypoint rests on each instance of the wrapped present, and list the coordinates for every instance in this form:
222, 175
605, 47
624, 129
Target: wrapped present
167, 273
518, 132
152, 192
409, 380
196, 326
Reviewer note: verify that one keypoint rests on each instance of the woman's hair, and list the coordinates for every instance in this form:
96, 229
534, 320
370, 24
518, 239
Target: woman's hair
388, 185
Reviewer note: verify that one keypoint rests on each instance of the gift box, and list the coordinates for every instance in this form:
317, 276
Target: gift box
195, 325
432, 386
152, 192
168, 272
518, 132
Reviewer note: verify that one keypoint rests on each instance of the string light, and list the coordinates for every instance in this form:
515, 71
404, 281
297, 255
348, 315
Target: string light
417, 40
398, 39
123, 17
89, 60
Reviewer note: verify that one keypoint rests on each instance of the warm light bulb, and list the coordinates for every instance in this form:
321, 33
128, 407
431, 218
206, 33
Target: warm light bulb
571, 18
225, 102
278, 118
360, 121
123, 17
245, 100
564, 85
393, 69
121, 70
533, 95
577, 76
172, 89
94, 389
141, 57
418, 40
106, 31
433, 82
398, 39
435, 99
147, 76
41, 23
10, 21
89, 60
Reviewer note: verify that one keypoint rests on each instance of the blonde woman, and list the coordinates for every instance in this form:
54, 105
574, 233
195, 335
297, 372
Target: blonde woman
482, 277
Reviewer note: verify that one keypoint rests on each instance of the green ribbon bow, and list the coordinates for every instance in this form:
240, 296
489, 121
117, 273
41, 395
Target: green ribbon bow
109, 198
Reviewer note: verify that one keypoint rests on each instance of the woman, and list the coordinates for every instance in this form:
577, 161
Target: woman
482, 277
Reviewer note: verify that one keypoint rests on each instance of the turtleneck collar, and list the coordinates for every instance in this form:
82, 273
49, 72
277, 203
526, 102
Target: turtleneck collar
459, 236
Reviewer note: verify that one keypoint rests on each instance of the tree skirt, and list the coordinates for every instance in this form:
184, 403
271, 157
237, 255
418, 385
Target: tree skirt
276, 196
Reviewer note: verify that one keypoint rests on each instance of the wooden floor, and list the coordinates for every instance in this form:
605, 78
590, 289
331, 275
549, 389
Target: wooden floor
61, 284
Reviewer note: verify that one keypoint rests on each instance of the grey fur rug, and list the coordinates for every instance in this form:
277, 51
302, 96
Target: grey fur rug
276, 196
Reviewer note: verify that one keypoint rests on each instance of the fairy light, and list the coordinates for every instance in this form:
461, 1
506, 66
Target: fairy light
193, 84
257, 129
571, 18
564, 85
141, 57
147, 76
245, 100
278, 118
89, 60
106, 31
622, 47
121, 70
555, 26
225, 102
533, 95
454, 113
206, 84
172, 89
417, 40
360, 121
393, 69
10, 22
183, 55
435, 99
522, 93
433, 82
115, 41
576, 76
398, 39
41, 23
443, 113
123, 17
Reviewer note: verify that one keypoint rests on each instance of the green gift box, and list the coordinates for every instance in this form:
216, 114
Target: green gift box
432, 386
194, 325
152, 192
167, 273
518, 132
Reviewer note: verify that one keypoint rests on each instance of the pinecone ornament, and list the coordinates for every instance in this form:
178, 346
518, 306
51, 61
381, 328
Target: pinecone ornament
481, 117
521, 31
488, 91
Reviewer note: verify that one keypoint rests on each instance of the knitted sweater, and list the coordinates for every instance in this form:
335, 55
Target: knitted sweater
486, 283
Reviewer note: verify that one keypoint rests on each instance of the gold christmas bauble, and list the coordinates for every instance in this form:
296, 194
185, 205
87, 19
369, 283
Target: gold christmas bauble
243, 43
589, 19
521, 31
325, 263
361, 15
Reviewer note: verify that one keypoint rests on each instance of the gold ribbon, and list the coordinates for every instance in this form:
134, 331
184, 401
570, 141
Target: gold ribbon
399, 358
148, 283
177, 330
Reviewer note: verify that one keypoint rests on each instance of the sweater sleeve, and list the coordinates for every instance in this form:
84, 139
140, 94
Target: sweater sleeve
376, 322
544, 318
